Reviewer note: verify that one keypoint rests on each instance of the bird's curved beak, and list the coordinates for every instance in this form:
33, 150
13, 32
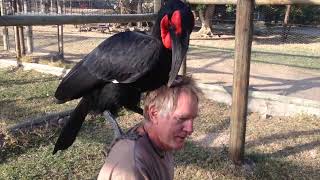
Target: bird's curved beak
180, 46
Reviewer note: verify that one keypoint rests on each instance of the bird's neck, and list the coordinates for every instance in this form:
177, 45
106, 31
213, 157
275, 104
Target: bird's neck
156, 32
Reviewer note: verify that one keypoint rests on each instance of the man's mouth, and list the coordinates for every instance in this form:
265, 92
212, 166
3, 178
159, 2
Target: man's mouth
181, 138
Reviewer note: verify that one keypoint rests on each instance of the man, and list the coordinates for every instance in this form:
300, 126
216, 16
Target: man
169, 115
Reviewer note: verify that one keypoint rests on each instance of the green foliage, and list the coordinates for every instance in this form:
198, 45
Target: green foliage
299, 14
200, 7
272, 13
305, 14
231, 10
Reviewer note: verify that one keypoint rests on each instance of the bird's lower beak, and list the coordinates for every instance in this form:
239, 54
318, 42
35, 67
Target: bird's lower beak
179, 51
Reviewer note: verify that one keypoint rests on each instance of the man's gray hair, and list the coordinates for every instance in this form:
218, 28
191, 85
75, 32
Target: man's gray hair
165, 98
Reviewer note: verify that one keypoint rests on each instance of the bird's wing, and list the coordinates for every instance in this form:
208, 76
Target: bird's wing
123, 57
78, 82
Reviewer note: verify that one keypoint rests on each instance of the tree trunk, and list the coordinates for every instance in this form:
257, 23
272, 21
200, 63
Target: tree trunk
206, 17
286, 29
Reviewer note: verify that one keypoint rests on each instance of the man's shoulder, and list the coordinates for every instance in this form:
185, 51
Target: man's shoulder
132, 150
136, 158
120, 163
123, 147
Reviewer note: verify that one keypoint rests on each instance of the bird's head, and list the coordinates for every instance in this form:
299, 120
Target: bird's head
175, 22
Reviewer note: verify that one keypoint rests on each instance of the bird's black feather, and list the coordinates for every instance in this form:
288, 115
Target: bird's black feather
118, 57
73, 125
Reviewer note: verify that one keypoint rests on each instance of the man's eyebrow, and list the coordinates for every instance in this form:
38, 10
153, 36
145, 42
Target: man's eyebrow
187, 117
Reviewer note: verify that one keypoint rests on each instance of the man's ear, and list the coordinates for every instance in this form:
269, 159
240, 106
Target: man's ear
153, 114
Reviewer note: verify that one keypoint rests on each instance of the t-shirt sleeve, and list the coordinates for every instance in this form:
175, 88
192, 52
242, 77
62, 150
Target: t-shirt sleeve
121, 172
120, 164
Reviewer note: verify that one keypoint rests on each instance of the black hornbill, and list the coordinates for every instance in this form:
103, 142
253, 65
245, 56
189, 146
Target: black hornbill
123, 66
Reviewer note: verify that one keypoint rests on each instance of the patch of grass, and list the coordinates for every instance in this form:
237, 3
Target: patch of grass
31, 156
25, 94
276, 148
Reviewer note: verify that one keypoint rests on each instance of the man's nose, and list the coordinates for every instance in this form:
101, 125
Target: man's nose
188, 126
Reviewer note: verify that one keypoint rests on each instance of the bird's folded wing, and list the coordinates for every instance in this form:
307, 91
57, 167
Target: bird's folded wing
124, 57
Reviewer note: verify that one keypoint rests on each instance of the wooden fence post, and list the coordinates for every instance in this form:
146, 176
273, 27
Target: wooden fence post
51, 6
17, 36
21, 30
243, 42
5, 33
139, 11
156, 5
183, 69
60, 32
26, 5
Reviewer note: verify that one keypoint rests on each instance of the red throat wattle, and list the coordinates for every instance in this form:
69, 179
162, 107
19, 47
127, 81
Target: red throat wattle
166, 23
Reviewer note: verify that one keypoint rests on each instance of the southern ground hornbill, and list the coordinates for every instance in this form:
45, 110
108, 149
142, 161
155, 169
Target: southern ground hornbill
123, 66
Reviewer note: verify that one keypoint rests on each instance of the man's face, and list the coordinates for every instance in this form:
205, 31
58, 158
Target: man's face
172, 129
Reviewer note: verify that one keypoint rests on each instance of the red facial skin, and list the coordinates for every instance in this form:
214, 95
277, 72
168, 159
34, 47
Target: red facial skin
175, 21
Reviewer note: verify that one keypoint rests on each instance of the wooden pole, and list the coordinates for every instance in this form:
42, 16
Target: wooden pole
70, 7
139, 11
5, 33
243, 42
60, 32
17, 37
21, 31
257, 2
42, 7
26, 5
51, 6
156, 5
121, 4
183, 69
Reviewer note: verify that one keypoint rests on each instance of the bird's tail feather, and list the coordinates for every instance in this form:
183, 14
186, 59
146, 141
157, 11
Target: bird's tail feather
72, 127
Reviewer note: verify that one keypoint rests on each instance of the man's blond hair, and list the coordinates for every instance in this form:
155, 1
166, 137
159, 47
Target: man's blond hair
164, 99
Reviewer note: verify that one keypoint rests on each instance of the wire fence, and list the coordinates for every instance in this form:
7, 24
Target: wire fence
78, 7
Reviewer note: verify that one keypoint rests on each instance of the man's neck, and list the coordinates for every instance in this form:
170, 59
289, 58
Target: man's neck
153, 137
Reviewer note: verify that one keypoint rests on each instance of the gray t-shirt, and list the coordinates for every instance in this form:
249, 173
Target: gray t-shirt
137, 159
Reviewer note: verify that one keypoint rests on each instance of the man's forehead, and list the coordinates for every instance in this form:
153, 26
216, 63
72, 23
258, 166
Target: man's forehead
187, 94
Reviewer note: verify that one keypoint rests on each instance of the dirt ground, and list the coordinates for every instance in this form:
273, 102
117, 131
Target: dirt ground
269, 78
204, 65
